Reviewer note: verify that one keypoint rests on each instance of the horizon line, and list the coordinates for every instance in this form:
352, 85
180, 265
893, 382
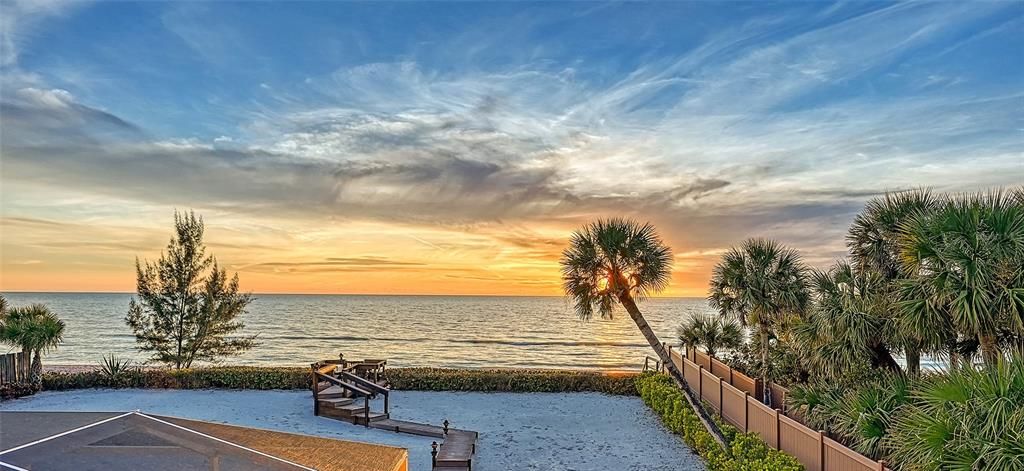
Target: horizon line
348, 294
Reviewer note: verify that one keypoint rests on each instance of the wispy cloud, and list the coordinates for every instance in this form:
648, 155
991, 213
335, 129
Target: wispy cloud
20, 20
779, 125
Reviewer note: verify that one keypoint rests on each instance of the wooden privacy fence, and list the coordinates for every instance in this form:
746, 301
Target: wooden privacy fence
736, 379
15, 367
735, 397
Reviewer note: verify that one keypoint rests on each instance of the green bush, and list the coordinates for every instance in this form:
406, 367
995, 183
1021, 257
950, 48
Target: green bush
510, 380
14, 390
746, 450
410, 379
224, 377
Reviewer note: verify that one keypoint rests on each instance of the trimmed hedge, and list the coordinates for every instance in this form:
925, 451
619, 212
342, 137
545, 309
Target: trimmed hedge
511, 380
746, 450
222, 377
409, 379
15, 390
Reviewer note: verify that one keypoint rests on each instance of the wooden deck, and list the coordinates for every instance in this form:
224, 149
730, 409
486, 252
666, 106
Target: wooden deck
412, 428
457, 450
340, 394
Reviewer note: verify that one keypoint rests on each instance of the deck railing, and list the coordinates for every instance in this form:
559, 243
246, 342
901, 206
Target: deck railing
370, 386
324, 372
733, 395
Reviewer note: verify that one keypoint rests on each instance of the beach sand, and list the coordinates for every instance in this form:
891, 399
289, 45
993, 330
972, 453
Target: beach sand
69, 368
537, 431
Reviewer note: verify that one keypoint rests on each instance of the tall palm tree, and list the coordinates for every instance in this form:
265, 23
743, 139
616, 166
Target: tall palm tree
849, 326
874, 243
760, 283
617, 261
966, 259
711, 332
36, 330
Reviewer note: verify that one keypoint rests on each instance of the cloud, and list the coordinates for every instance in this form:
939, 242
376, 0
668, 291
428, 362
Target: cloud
332, 264
35, 117
19, 21
760, 128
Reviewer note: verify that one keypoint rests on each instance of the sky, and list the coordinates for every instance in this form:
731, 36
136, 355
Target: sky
451, 148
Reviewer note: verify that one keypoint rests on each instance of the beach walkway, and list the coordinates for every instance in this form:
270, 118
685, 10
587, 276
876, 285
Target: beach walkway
342, 390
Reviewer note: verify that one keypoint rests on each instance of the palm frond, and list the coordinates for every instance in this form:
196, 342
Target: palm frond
33, 328
610, 257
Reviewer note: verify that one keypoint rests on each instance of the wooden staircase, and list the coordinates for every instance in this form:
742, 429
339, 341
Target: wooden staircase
344, 396
340, 393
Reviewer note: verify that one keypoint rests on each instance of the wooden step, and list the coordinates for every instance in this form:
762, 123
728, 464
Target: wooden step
333, 392
336, 402
374, 417
351, 409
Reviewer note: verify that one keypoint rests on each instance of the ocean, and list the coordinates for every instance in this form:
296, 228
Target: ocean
439, 331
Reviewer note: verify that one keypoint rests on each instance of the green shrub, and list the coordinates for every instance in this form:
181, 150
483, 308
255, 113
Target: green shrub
14, 390
746, 450
116, 370
510, 380
223, 377
410, 379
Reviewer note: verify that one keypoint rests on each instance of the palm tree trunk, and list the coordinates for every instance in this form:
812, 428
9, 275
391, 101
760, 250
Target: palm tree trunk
37, 368
881, 357
913, 354
989, 349
659, 348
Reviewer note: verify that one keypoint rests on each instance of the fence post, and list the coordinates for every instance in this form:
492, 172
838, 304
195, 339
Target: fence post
778, 427
881, 465
821, 450
316, 390
746, 411
700, 382
721, 405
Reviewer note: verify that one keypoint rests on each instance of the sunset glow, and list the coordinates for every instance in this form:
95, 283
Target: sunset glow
399, 150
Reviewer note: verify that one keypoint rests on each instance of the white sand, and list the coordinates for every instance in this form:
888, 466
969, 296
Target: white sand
558, 432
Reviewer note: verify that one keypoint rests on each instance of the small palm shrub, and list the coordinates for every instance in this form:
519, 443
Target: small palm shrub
965, 420
860, 416
35, 329
117, 371
712, 333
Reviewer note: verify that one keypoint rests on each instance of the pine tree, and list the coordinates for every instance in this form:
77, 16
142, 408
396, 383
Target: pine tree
186, 308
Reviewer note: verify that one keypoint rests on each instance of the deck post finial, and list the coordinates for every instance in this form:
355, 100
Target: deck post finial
445, 423
433, 453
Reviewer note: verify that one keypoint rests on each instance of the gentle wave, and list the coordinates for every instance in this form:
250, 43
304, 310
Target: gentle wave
514, 343
438, 331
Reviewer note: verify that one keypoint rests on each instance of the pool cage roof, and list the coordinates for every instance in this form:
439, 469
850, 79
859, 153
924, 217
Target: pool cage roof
79, 441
